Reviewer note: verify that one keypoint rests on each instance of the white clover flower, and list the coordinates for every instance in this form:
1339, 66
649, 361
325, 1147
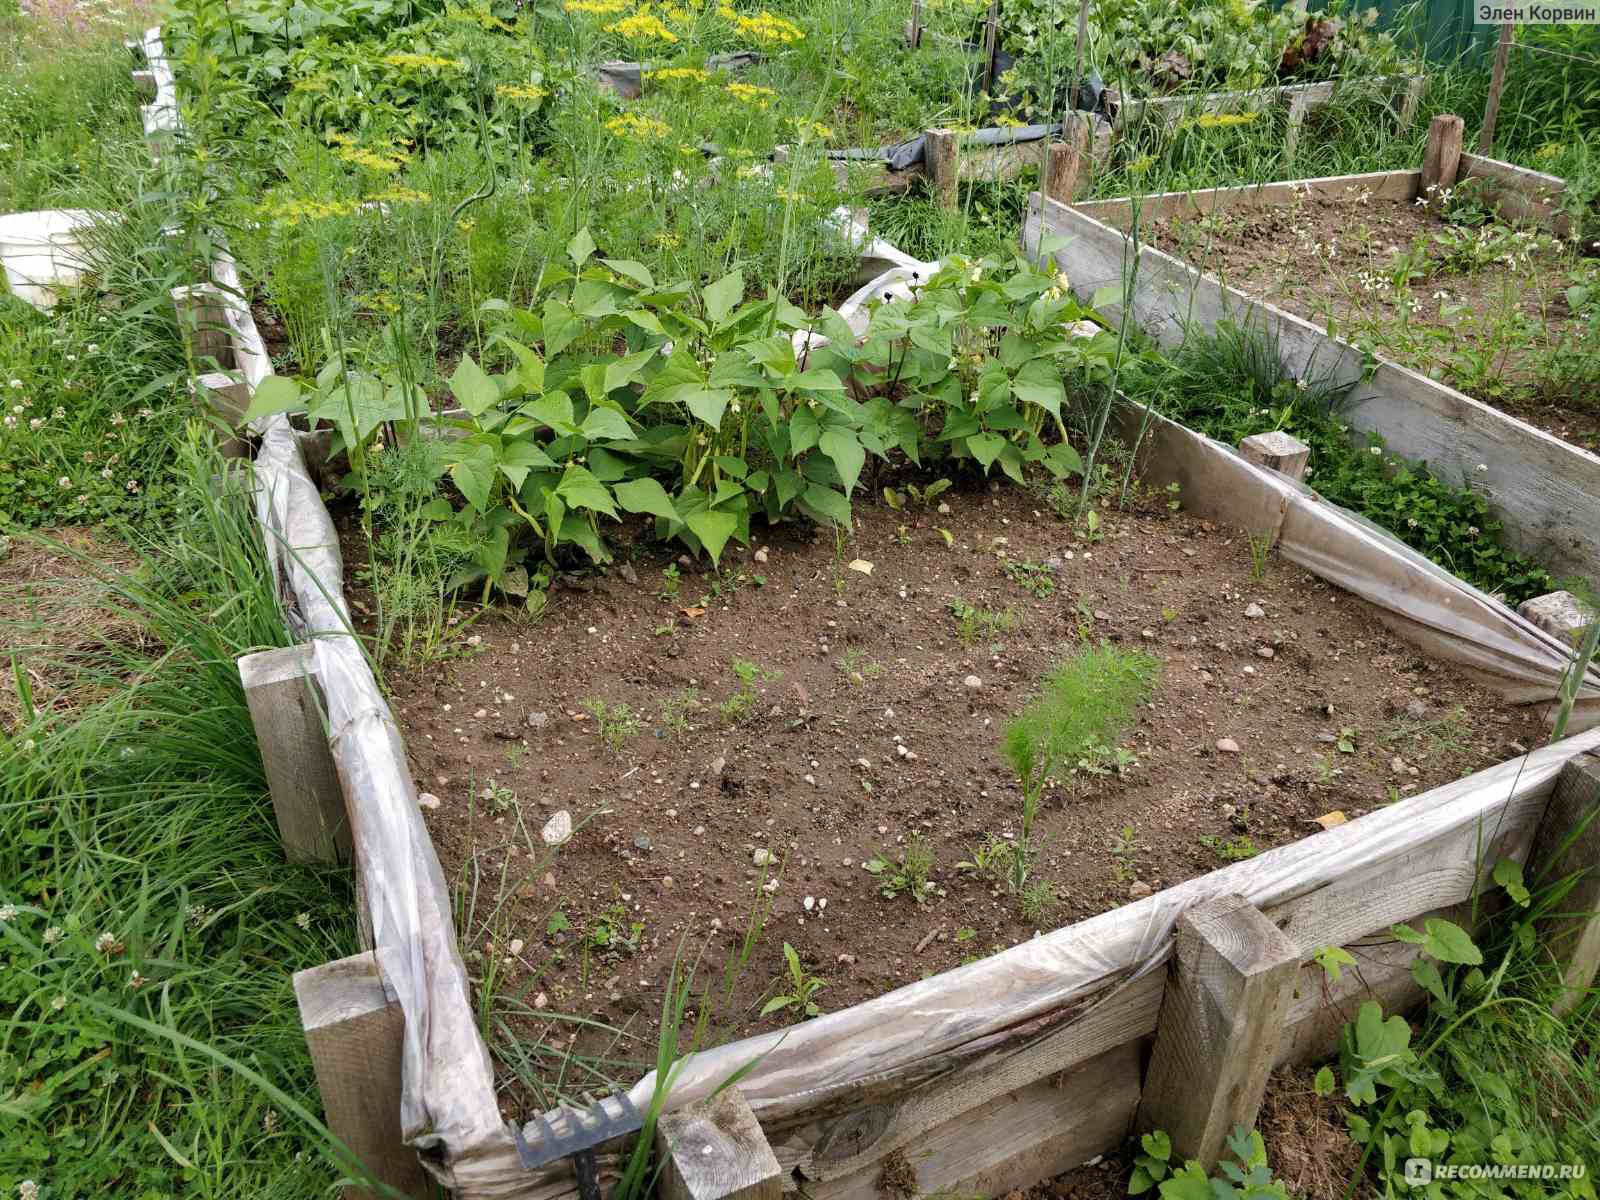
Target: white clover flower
1377, 449
58, 1003
53, 935
64, 482
8, 912
16, 383
136, 981
107, 943
1473, 530
27, 1189
303, 920
36, 423
1481, 467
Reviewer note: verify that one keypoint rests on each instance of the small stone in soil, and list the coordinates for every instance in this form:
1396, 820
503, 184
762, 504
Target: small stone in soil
1255, 610
1138, 890
762, 858
428, 800
641, 841
1227, 745
538, 720
558, 829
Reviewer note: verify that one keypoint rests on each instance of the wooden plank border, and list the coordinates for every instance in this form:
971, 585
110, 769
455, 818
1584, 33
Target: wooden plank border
1536, 482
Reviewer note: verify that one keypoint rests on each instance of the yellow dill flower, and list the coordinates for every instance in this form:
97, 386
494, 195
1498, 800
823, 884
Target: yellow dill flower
642, 27
598, 8
679, 75
1223, 120
335, 138
749, 93
529, 92
667, 241
768, 29
1140, 165
633, 125
423, 62
678, 16
402, 195
387, 160
310, 83
727, 13
480, 15
806, 130
1550, 150
303, 208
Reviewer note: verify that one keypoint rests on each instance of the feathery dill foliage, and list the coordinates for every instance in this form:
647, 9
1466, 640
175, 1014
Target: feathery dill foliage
149, 927
1088, 701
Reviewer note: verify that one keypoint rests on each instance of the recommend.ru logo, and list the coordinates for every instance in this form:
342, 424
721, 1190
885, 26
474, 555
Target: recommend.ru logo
1420, 1172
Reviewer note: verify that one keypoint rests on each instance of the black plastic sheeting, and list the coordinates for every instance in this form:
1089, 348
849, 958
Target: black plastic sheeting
902, 156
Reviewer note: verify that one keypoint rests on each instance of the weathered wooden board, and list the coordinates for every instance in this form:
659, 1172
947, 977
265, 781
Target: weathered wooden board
1402, 92
1520, 195
1541, 486
1381, 185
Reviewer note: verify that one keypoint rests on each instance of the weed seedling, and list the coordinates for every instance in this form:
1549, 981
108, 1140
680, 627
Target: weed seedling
1260, 550
1033, 577
802, 987
1232, 849
911, 874
973, 622
615, 723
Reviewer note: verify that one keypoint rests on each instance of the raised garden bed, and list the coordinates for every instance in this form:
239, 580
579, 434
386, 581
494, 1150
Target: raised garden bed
840, 722
1534, 480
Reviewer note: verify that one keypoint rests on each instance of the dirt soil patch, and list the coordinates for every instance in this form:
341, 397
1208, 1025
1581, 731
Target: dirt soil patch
1484, 310
796, 717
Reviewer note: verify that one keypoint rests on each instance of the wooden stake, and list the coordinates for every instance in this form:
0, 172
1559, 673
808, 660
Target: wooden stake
942, 167
715, 1150
991, 47
914, 27
1567, 842
1291, 131
202, 316
1497, 83
1277, 451
228, 397
355, 1029
1221, 1019
1411, 100
1069, 160
1441, 161
286, 709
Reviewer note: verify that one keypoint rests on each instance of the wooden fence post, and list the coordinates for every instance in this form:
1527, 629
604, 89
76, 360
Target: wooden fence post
914, 26
942, 166
1411, 100
355, 1029
1068, 161
286, 709
1567, 842
1441, 161
1497, 83
991, 47
202, 316
715, 1150
229, 398
1277, 451
1222, 1017
1298, 106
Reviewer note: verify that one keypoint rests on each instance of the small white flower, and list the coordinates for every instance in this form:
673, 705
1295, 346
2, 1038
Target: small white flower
303, 920
8, 912
64, 482
36, 423
136, 981
27, 1190
58, 1003
1473, 530
53, 935
16, 383
107, 943
92, 347
1377, 450
1481, 467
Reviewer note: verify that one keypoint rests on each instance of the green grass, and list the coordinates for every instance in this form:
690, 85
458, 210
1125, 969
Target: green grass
151, 925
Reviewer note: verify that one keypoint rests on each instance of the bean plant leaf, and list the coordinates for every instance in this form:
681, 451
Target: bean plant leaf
606, 423
986, 447
721, 296
473, 389
635, 271
624, 370
848, 457
473, 475
827, 505
274, 394
646, 496
521, 456
580, 489
713, 528
1038, 382
1508, 874
580, 247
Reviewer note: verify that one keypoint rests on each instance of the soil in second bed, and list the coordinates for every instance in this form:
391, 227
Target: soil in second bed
869, 722
1494, 332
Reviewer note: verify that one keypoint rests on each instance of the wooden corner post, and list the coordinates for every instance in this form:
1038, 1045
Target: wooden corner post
286, 710
1567, 843
1069, 159
1441, 161
715, 1150
1222, 1017
942, 165
354, 1029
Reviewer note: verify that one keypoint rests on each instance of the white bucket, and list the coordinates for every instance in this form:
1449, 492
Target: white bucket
42, 252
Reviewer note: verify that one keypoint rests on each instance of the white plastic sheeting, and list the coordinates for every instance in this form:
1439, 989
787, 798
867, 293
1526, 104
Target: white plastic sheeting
42, 252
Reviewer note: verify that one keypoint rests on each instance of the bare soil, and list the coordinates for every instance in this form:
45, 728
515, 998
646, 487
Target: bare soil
862, 734
1333, 260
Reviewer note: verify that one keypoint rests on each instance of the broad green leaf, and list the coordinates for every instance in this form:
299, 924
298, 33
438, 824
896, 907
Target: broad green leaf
473, 474
622, 372
579, 532
606, 423
1443, 939
1038, 382
645, 496
986, 447
721, 296
521, 456
474, 390
1324, 1083
1157, 1144
635, 271
360, 399
274, 394
713, 528
580, 489
847, 455
552, 410
1063, 461
827, 505
1107, 296
580, 247
803, 431
561, 327
707, 403
1508, 874
815, 379
491, 552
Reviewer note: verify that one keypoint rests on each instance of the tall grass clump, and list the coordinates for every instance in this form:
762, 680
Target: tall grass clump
149, 926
